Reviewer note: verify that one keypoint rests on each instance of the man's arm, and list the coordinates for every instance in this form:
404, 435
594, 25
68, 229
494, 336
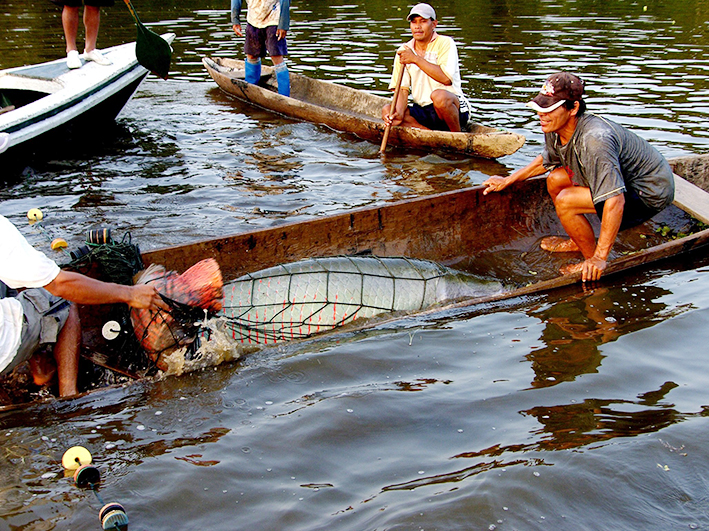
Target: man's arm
81, 289
497, 183
284, 19
610, 225
235, 14
407, 56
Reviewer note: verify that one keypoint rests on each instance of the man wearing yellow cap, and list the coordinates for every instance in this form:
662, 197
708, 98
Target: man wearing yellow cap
595, 167
431, 75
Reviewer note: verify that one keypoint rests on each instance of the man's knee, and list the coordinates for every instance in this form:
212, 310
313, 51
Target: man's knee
557, 180
444, 99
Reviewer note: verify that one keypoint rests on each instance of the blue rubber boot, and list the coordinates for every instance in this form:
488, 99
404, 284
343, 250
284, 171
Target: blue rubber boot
252, 71
283, 79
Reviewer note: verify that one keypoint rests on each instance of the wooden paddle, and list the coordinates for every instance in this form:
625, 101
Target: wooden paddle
152, 51
382, 149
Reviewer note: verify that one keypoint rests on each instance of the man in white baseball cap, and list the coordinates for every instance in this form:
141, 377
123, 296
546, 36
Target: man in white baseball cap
595, 166
432, 76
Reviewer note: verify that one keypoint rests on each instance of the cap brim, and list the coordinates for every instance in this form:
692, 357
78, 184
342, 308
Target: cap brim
534, 105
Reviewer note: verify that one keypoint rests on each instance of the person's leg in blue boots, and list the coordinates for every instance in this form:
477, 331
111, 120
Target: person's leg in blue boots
283, 78
252, 69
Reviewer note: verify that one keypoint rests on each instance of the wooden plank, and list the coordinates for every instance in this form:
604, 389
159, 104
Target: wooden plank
692, 199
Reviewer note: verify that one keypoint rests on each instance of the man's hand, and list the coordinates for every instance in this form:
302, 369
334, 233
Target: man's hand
407, 56
280, 34
592, 269
495, 184
237, 30
393, 118
146, 297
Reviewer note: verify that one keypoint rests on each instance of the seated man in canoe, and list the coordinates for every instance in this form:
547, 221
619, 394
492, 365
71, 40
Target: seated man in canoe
596, 167
428, 66
43, 316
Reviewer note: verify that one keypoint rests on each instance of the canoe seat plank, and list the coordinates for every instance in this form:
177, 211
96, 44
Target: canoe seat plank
692, 199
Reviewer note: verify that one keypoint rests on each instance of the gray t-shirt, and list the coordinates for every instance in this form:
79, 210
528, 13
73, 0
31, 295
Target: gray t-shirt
608, 159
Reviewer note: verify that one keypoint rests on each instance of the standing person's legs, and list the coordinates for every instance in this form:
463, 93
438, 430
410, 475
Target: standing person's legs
92, 20
277, 50
70, 23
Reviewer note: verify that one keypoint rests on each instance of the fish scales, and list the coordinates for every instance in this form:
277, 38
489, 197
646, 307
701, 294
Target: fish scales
300, 299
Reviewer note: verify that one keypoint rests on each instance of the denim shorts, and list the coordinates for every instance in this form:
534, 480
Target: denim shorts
43, 317
263, 41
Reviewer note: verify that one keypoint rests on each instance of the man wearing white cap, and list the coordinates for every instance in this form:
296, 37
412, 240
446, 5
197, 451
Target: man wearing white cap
596, 166
431, 75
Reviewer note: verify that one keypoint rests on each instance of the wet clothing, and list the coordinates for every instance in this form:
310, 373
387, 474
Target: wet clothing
79, 3
611, 160
21, 266
263, 13
443, 52
262, 41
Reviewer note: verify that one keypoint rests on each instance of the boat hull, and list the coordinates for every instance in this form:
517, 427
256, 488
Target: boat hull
56, 100
353, 111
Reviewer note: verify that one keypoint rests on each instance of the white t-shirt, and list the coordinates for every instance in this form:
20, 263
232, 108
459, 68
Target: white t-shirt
440, 51
21, 266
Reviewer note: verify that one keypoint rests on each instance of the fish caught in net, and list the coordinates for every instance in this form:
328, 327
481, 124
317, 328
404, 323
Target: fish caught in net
191, 296
297, 300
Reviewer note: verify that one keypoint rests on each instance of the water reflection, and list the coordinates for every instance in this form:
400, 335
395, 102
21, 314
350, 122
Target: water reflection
576, 328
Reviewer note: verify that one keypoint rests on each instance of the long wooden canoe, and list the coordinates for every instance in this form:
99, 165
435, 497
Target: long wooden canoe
495, 235
354, 111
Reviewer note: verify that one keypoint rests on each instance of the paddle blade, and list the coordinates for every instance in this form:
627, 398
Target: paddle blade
153, 52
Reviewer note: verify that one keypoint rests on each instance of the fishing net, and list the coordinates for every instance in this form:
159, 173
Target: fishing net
117, 261
298, 300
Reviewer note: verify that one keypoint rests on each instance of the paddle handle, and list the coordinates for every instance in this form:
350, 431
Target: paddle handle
132, 11
392, 108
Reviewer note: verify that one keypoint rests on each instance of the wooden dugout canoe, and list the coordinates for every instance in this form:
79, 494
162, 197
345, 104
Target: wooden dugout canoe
495, 235
353, 111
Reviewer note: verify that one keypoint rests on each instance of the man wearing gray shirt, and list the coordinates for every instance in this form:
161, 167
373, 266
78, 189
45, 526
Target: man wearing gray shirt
595, 166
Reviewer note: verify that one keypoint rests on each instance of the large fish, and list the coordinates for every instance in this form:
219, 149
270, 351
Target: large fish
199, 287
304, 298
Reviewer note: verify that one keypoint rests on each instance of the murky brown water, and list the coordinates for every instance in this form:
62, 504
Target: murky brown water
576, 410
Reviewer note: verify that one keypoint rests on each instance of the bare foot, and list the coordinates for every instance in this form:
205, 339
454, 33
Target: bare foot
557, 244
43, 368
571, 269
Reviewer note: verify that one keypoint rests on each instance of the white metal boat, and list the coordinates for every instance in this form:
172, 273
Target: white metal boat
40, 98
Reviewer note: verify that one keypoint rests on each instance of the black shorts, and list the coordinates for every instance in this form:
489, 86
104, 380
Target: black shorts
79, 3
635, 211
428, 117
260, 41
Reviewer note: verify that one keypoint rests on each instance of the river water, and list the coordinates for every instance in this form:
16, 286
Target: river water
579, 409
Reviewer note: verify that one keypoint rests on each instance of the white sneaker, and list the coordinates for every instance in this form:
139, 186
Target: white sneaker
72, 60
97, 57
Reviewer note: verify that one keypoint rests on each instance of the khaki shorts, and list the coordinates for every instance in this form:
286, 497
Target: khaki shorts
43, 317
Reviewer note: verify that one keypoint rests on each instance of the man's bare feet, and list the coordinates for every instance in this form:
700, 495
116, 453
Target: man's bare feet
43, 368
571, 269
557, 244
